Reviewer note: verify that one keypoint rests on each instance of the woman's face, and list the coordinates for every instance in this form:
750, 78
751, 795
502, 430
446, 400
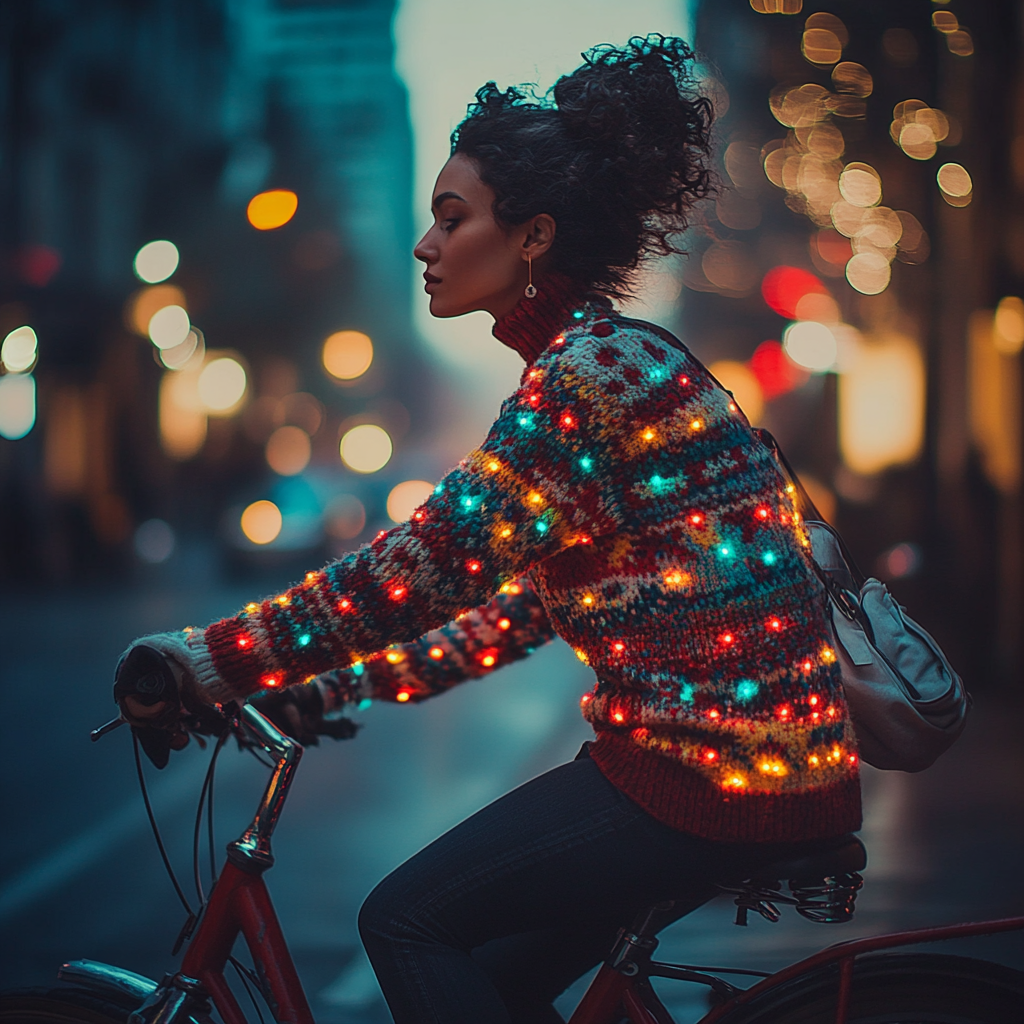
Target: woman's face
473, 262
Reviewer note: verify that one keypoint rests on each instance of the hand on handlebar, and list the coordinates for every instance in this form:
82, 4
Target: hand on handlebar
150, 690
298, 711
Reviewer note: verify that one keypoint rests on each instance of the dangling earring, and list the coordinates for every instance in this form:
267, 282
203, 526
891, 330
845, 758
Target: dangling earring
531, 292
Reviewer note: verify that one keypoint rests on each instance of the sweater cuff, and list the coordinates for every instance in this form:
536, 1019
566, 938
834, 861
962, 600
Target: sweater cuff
189, 651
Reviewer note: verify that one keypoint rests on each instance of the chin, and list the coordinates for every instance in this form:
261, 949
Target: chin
444, 310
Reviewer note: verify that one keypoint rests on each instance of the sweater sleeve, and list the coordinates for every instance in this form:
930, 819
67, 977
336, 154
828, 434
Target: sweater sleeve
509, 627
536, 486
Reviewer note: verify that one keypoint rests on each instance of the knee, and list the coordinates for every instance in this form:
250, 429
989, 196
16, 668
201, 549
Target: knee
381, 912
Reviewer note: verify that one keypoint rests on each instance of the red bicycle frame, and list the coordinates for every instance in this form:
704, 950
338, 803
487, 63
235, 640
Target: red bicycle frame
613, 992
239, 904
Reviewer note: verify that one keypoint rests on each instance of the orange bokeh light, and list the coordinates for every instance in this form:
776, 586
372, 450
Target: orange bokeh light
272, 209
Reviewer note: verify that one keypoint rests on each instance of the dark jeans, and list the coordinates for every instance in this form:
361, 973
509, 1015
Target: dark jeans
493, 921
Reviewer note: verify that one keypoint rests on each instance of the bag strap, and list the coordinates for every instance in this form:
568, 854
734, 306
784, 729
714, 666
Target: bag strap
805, 505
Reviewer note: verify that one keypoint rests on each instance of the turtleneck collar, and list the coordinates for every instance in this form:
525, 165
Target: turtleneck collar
534, 323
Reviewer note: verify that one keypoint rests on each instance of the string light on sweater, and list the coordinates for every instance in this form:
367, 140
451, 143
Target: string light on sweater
572, 509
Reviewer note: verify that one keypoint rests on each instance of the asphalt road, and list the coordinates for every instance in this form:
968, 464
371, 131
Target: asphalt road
81, 876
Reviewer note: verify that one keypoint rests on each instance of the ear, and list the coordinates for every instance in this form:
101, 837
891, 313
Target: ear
540, 235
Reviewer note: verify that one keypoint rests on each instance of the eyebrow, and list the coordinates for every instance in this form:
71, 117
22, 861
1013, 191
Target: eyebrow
439, 199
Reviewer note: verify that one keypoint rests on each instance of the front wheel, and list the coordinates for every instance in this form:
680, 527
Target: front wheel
896, 988
61, 1005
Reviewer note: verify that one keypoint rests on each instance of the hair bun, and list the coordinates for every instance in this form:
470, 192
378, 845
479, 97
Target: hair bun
617, 152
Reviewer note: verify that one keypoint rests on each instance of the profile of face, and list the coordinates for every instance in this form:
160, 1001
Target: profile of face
473, 261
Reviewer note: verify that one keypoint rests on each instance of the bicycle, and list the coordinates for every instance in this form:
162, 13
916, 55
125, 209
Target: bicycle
856, 982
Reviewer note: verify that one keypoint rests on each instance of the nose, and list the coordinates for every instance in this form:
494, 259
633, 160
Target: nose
426, 252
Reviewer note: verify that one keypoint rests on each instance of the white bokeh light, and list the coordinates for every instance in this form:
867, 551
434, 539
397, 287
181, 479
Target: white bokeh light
156, 261
811, 345
19, 350
169, 327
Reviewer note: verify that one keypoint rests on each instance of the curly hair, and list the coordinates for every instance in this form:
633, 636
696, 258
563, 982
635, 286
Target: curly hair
617, 153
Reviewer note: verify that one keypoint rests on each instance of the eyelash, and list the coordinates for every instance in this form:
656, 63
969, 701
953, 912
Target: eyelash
452, 221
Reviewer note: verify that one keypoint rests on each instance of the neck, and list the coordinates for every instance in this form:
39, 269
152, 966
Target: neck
534, 323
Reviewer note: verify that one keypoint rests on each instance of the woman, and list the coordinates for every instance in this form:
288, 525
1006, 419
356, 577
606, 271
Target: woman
622, 501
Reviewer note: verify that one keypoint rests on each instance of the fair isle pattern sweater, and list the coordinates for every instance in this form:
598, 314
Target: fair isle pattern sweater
622, 501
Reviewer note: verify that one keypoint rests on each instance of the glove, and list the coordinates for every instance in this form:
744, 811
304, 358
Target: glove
149, 692
298, 711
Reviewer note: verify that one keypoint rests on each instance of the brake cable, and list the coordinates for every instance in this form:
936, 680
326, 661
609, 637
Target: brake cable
156, 832
206, 793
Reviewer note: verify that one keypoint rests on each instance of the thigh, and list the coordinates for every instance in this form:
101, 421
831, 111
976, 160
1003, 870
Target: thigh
564, 850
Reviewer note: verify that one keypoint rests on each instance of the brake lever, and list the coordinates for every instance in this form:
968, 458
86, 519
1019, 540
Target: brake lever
114, 723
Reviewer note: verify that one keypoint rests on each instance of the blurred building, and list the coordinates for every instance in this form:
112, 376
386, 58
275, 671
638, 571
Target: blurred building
162, 121
872, 222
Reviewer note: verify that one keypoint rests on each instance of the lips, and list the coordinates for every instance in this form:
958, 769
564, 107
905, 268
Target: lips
430, 282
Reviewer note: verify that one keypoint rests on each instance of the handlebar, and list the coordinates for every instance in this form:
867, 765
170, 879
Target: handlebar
251, 851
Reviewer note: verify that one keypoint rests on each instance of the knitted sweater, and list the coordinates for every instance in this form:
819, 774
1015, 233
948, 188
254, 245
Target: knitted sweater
622, 501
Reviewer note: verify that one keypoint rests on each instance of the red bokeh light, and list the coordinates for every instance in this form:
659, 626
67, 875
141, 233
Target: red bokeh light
784, 287
774, 370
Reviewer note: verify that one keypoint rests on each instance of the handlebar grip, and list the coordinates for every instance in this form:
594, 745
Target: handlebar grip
145, 675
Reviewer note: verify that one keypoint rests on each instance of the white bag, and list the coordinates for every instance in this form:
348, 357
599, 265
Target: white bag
907, 704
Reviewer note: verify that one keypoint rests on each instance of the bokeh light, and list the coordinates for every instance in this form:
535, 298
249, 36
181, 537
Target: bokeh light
868, 272
169, 327
811, 345
156, 261
730, 265
19, 350
960, 43
154, 541
914, 245
742, 382
261, 522
900, 47
17, 405
784, 287
145, 302
821, 46
406, 497
347, 354
1008, 336
272, 209
288, 450
366, 448
817, 306
881, 405
900, 561
860, 184
222, 385
777, 6
345, 517
852, 78
776, 373
955, 184
179, 356
180, 412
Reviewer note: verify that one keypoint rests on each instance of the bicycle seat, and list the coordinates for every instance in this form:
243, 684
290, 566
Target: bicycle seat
824, 880
842, 856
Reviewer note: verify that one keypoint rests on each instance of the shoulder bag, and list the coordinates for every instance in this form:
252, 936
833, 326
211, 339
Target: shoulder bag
907, 703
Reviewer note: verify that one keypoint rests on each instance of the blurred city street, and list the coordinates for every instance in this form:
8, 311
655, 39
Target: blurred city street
82, 877
218, 370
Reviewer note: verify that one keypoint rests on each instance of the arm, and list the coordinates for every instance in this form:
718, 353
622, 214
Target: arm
537, 485
511, 626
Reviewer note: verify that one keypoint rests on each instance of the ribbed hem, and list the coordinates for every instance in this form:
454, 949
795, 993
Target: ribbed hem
684, 800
